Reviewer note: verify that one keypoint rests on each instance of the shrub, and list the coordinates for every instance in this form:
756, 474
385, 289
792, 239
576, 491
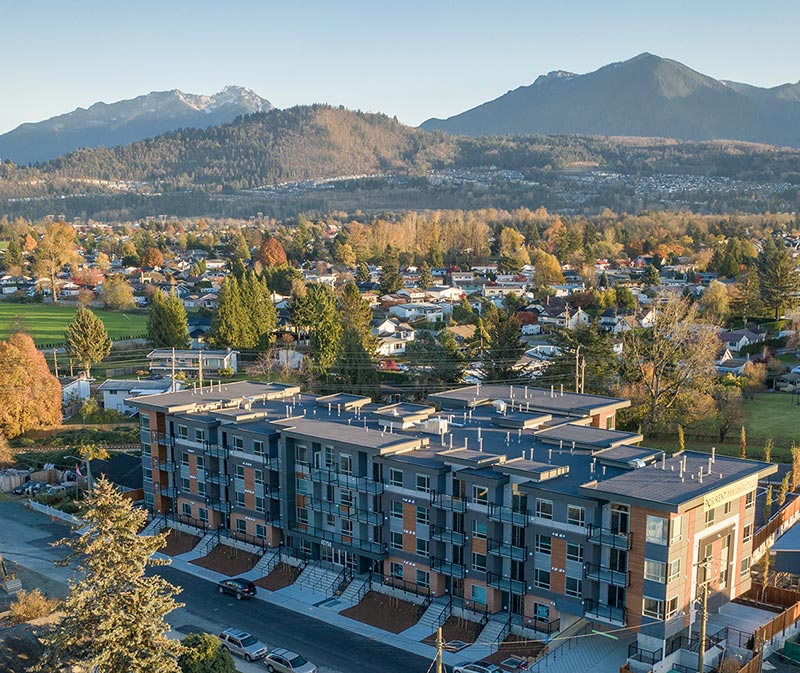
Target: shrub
31, 605
204, 654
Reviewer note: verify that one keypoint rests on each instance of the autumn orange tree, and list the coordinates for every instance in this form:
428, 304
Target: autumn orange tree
271, 253
30, 396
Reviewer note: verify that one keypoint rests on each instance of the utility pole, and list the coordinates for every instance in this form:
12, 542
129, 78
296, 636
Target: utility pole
439, 648
200, 368
578, 368
172, 387
703, 599
583, 375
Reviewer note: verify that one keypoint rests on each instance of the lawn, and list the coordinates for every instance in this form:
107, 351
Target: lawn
46, 323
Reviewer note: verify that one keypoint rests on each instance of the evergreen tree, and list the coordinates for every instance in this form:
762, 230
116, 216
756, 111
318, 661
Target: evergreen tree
203, 653
114, 616
238, 269
592, 351
390, 279
746, 300
651, 276
425, 276
438, 361
779, 278
87, 339
317, 311
743, 443
231, 327
12, 259
355, 364
355, 311
504, 346
260, 310
167, 325
239, 247
768, 450
363, 274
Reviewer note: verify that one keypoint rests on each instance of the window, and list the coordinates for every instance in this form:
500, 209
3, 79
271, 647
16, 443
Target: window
202, 514
480, 495
747, 534
395, 539
656, 529
183, 431
186, 508
146, 450
258, 477
423, 483
654, 570
726, 508
238, 471
144, 422
423, 516
576, 515
240, 499
544, 508
328, 456
148, 474
674, 570
258, 447
302, 515
184, 460
346, 498
238, 442
301, 455
261, 531
347, 527
199, 435
330, 521
260, 504
422, 547
201, 462
676, 532
396, 570
541, 578
573, 587
396, 510
750, 500
185, 484
479, 529
479, 562
544, 544
201, 488
302, 486
672, 607
653, 607
574, 552
346, 464
745, 566
478, 594
710, 516
241, 526
395, 477
423, 579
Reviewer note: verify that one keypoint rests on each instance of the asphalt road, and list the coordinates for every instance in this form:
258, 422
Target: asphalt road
329, 647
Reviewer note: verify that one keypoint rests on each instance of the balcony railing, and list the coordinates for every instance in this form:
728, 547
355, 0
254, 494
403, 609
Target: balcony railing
507, 550
507, 515
447, 568
217, 478
346, 511
362, 484
607, 613
609, 537
548, 626
447, 535
505, 584
217, 451
451, 502
272, 462
346, 541
218, 505
598, 573
160, 438
165, 465
199, 444
166, 491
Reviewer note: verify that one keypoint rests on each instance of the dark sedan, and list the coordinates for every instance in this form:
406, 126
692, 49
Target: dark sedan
239, 587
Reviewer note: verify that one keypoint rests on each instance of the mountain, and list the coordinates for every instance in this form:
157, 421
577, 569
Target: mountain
645, 96
126, 121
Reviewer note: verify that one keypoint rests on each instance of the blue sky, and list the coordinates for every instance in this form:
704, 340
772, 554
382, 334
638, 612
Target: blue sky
410, 59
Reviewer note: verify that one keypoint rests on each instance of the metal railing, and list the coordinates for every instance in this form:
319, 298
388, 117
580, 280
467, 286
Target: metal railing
554, 654
336, 478
609, 537
507, 550
595, 609
447, 568
503, 634
450, 502
213, 477
598, 573
508, 515
505, 583
345, 541
345, 511
446, 535
547, 626
650, 657
219, 505
405, 585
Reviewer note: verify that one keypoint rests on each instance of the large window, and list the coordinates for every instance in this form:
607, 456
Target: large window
747, 534
423, 579
346, 464
347, 527
302, 486
656, 529
480, 495
395, 539
711, 515
653, 607
544, 508
201, 488
396, 509
576, 515
258, 447
674, 570
750, 500
574, 552
744, 568
541, 578
478, 594
676, 533
238, 471
238, 442
183, 431
544, 544
396, 570
302, 515
240, 499
654, 570
199, 435
479, 562
479, 529
423, 516
185, 484
258, 477
424, 483
241, 526
672, 607
260, 504
201, 462
346, 498
422, 547
395, 477
301, 455
186, 509
573, 587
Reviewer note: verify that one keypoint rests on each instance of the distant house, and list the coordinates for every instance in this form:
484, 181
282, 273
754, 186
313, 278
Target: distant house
189, 361
418, 311
74, 391
738, 339
733, 366
116, 391
444, 293
393, 336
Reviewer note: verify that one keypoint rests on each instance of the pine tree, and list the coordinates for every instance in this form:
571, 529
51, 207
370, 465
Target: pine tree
651, 276
167, 325
390, 279
504, 348
317, 311
746, 299
231, 327
260, 310
597, 366
12, 259
203, 653
363, 274
355, 364
425, 276
114, 616
87, 339
780, 280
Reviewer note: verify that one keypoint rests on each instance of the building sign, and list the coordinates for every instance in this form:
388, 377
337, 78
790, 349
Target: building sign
731, 492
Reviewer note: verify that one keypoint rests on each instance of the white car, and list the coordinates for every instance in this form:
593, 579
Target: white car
242, 644
477, 667
286, 661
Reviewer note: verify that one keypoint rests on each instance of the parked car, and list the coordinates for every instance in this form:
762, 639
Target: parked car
242, 644
29, 488
51, 489
237, 586
477, 667
285, 661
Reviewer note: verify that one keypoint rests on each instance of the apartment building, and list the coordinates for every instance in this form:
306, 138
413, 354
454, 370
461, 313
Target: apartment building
510, 499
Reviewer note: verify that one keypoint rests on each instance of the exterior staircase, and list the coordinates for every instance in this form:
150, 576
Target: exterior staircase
357, 589
209, 541
12, 585
435, 615
266, 564
495, 630
320, 576
156, 525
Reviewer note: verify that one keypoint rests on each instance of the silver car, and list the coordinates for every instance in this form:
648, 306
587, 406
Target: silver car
242, 644
286, 661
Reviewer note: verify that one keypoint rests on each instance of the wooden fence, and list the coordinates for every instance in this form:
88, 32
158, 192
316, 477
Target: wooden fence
781, 520
788, 618
772, 595
752, 666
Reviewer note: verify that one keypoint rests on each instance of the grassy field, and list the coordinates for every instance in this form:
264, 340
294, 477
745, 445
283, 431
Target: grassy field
768, 415
46, 323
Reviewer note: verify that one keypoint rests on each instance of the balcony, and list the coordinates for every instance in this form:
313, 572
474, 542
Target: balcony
547, 626
164, 465
160, 438
504, 514
505, 584
451, 502
447, 535
166, 491
593, 609
609, 537
272, 462
217, 478
216, 450
447, 568
507, 550
219, 506
362, 484
618, 578
344, 541
346, 511
200, 445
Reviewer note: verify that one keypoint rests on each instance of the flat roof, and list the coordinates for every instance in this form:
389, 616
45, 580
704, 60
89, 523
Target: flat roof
213, 396
354, 434
586, 436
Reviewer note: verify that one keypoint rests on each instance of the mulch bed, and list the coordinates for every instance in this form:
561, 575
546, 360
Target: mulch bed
385, 612
282, 575
456, 628
517, 646
227, 560
179, 542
